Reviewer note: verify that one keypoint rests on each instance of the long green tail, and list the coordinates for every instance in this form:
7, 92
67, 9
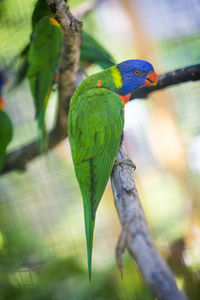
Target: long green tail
43, 138
84, 178
89, 229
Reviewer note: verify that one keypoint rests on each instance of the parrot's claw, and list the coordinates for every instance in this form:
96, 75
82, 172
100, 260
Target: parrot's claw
128, 162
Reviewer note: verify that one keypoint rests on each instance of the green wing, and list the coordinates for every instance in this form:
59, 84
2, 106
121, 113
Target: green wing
6, 131
43, 58
22, 66
95, 126
93, 53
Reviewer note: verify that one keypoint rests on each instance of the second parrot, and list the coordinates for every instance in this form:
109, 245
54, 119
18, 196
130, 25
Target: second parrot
43, 58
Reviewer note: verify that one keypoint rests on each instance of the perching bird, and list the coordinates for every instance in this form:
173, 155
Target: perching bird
43, 58
6, 128
95, 125
91, 50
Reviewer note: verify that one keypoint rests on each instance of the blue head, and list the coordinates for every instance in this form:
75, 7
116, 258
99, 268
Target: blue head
135, 74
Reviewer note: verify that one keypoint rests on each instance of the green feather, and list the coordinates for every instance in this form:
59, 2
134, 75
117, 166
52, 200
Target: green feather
6, 132
41, 10
84, 179
95, 125
93, 53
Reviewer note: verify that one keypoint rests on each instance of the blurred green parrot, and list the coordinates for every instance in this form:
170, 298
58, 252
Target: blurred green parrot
43, 58
6, 128
91, 50
41, 10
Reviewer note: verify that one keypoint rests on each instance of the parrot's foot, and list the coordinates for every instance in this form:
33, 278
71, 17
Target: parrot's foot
128, 162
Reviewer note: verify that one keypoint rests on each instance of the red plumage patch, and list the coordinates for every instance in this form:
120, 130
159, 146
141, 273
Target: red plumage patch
124, 98
99, 83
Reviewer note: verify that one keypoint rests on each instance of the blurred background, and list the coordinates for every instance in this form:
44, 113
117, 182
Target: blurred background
42, 239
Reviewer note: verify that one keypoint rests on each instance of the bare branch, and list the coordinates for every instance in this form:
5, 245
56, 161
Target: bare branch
191, 73
135, 235
18, 159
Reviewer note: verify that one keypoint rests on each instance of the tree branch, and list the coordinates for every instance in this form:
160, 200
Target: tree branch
69, 65
135, 235
191, 73
17, 159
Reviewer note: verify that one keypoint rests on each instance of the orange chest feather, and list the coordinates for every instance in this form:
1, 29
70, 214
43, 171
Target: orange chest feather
125, 98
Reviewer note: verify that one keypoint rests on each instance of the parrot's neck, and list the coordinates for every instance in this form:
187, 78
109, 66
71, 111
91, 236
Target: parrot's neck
110, 79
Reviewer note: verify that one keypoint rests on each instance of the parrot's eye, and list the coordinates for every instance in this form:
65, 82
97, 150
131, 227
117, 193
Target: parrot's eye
137, 73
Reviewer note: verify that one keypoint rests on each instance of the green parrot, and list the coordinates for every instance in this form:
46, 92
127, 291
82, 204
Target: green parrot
6, 132
41, 10
95, 125
43, 58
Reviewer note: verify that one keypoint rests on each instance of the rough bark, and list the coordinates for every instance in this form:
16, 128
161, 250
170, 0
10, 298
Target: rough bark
69, 65
135, 235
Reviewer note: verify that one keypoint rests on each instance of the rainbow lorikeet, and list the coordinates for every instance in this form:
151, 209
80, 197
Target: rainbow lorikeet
95, 125
6, 128
43, 58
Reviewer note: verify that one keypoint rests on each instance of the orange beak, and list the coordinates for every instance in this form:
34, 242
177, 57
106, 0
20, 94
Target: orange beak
151, 79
